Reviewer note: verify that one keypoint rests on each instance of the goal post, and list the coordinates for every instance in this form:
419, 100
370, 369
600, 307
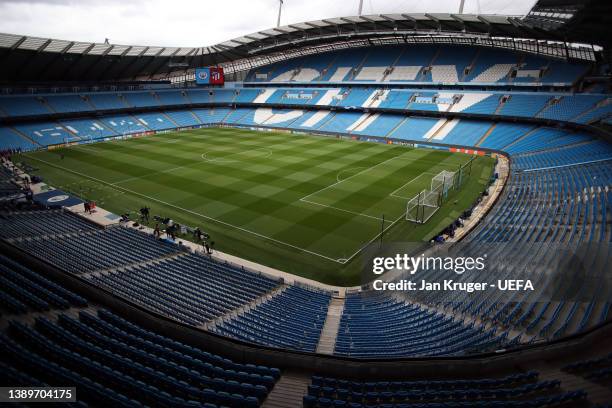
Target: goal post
71, 139
424, 205
443, 182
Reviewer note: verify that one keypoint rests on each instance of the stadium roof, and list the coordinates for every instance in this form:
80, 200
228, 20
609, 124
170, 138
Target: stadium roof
24, 58
578, 20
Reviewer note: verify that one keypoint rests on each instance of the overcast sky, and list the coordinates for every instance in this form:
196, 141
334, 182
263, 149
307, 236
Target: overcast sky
201, 22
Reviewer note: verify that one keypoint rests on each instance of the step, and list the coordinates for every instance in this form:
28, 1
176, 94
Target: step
329, 333
289, 391
234, 313
264, 96
487, 133
596, 394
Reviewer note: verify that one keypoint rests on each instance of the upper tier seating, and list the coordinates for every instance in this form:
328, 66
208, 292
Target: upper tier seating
421, 63
22, 106
68, 103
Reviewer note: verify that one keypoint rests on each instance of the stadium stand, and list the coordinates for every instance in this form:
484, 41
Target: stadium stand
267, 323
530, 106
90, 250
512, 391
426, 63
108, 358
402, 329
34, 223
11, 139
23, 106
201, 297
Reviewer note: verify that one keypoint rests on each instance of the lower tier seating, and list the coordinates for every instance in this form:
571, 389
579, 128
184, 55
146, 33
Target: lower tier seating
514, 391
111, 360
292, 319
402, 329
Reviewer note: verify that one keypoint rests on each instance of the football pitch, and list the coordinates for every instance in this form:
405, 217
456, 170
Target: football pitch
307, 205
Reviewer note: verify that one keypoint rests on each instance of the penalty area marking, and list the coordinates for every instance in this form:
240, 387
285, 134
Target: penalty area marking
343, 210
221, 160
405, 184
339, 179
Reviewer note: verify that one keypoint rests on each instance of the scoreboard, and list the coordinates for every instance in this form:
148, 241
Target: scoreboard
209, 76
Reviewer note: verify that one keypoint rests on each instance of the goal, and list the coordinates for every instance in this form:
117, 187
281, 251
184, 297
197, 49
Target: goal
421, 207
443, 182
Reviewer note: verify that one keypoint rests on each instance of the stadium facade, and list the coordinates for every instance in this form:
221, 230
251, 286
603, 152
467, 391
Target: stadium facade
132, 320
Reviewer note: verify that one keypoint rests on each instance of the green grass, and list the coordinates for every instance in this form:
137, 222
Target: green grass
303, 204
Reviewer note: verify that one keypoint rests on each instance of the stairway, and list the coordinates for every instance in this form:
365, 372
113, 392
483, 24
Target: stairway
329, 333
552, 101
266, 297
487, 133
520, 138
355, 71
501, 105
444, 129
288, 391
400, 123
596, 394
600, 104
24, 136
165, 115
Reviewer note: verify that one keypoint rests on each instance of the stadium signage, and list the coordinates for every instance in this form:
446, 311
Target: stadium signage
209, 76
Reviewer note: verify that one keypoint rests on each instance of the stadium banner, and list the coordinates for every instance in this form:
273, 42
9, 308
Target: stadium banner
467, 151
216, 76
56, 199
202, 76
209, 76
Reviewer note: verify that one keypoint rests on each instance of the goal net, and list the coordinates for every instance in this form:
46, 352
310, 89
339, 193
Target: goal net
443, 182
71, 139
421, 207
